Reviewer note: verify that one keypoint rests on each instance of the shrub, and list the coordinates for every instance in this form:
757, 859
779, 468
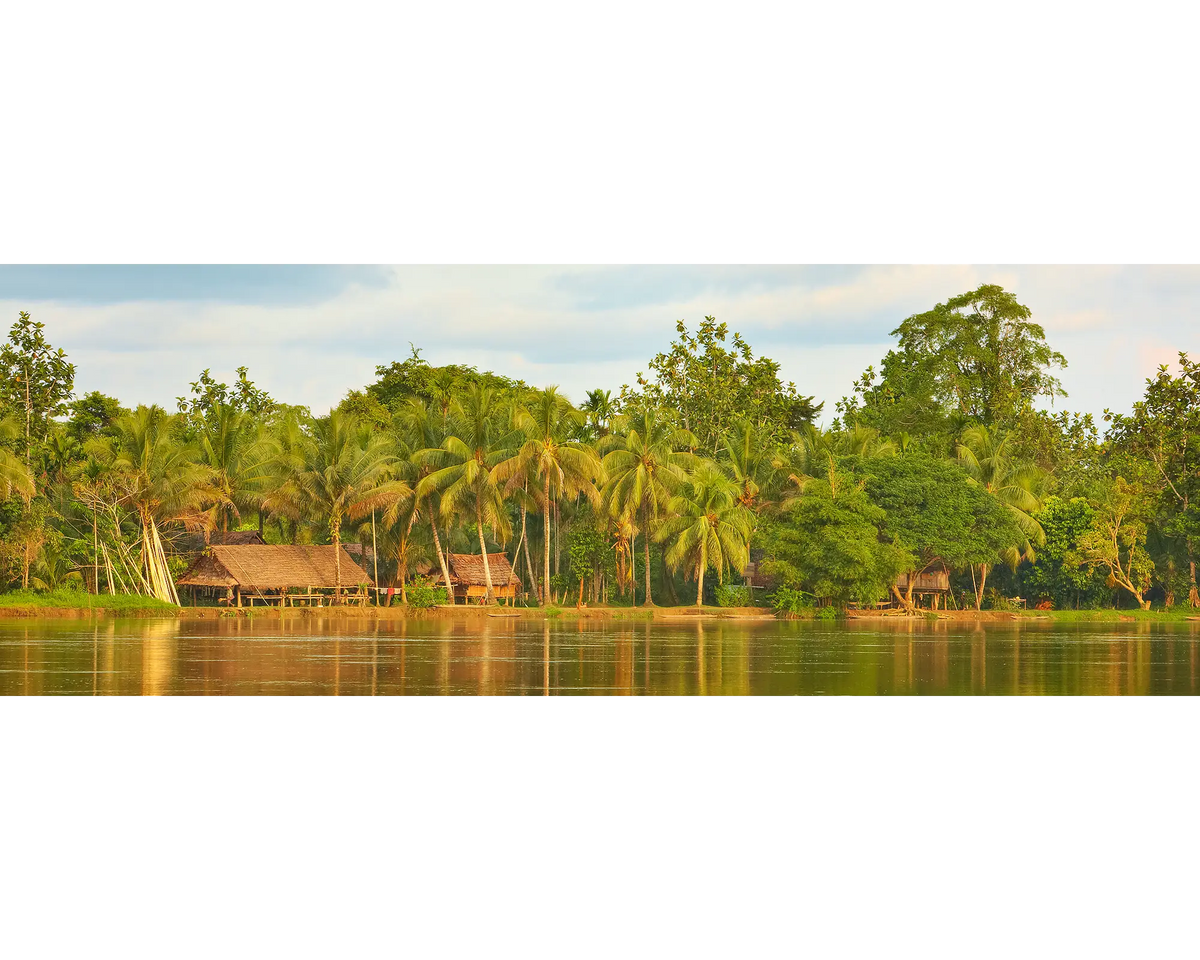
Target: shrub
424, 593
732, 595
790, 601
828, 613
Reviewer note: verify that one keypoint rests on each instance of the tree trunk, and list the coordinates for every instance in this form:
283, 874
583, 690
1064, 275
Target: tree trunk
646, 540
546, 518
437, 545
96, 556
487, 567
335, 528
983, 572
900, 599
633, 566
700, 577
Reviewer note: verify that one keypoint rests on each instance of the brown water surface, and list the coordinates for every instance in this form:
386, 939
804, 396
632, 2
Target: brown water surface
499, 656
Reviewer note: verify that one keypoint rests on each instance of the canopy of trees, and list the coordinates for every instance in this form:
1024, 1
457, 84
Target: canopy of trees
946, 457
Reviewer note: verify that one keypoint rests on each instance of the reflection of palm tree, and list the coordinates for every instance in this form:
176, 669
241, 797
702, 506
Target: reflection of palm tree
564, 466
708, 526
647, 463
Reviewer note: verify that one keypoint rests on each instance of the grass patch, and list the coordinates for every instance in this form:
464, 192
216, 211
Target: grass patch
77, 600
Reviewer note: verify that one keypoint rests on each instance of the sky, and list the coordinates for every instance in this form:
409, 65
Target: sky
309, 334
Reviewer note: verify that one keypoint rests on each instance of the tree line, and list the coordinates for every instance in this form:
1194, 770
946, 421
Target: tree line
946, 456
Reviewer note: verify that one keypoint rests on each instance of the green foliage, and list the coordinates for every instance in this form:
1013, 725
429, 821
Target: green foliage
933, 509
35, 379
832, 545
732, 595
401, 381
791, 601
93, 415
424, 592
208, 395
1059, 573
1116, 543
982, 354
828, 614
711, 386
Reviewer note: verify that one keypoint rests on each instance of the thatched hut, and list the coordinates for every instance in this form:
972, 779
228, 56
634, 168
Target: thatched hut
467, 576
933, 580
272, 574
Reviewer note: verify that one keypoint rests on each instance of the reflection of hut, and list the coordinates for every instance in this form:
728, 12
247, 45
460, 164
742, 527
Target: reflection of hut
271, 573
467, 576
189, 544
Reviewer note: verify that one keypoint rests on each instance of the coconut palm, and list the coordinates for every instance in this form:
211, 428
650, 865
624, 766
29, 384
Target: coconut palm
464, 467
708, 526
241, 456
346, 471
55, 570
423, 428
648, 459
987, 457
562, 466
600, 410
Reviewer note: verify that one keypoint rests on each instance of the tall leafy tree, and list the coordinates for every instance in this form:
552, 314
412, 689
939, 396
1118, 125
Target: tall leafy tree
35, 378
1163, 431
711, 384
982, 354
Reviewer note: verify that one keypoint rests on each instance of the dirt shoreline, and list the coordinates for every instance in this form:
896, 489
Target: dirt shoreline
396, 613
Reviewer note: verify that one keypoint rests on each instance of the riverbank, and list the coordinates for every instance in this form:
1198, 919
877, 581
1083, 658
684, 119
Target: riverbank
66, 605
76, 607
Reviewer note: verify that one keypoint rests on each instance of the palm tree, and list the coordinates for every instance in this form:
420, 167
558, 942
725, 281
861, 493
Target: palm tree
647, 462
55, 570
346, 472
600, 410
708, 526
14, 475
564, 466
241, 457
988, 459
424, 429
464, 466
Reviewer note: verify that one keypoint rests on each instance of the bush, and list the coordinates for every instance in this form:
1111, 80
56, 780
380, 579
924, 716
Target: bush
424, 593
732, 595
829, 613
790, 601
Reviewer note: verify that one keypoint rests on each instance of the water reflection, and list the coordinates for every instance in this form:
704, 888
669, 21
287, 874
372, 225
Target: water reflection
506, 656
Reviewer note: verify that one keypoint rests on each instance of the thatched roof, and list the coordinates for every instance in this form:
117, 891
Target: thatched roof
199, 542
467, 569
268, 567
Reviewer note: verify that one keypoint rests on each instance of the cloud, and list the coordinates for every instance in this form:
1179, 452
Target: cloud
309, 334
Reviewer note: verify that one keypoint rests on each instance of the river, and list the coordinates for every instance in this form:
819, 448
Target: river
498, 656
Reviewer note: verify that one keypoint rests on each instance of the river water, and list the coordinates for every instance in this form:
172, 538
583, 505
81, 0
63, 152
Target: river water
499, 656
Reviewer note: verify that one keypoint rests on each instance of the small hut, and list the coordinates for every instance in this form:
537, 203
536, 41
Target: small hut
467, 576
933, 580
272, 574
